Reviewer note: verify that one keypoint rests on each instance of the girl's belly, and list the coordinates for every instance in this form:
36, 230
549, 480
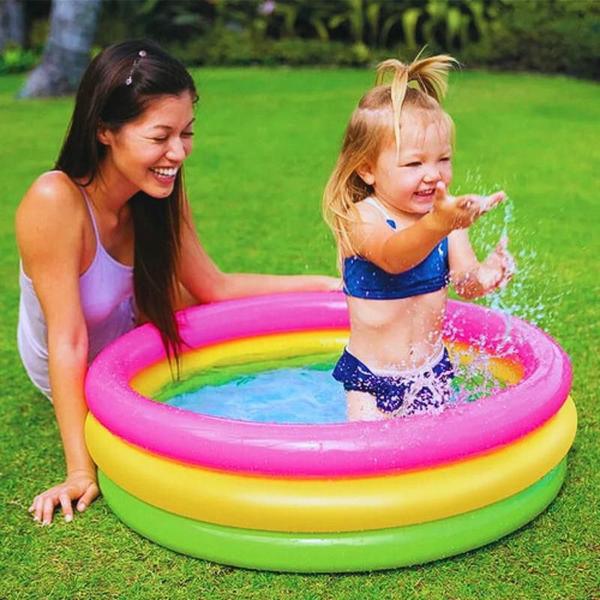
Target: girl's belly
397, 334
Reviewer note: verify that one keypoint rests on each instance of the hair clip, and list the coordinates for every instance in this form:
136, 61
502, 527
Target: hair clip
136, 62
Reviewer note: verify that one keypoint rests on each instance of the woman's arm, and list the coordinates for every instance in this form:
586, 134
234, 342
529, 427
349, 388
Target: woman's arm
207, 283
470, 278
238, 285
49, 225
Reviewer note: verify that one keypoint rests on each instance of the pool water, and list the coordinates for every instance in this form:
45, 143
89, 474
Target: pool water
288, 395
291, 391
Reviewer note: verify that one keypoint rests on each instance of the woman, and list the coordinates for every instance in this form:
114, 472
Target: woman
106, 240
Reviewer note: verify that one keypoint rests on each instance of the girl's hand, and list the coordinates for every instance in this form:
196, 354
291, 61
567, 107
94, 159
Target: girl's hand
80, 486
459, 212
497, 269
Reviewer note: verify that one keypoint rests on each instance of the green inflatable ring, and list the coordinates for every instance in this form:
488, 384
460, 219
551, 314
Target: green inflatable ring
335, 552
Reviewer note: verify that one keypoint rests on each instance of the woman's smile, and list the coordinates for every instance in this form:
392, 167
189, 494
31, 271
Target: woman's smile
164, 175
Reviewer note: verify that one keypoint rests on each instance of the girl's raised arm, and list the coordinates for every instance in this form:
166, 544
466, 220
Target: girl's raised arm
399, 251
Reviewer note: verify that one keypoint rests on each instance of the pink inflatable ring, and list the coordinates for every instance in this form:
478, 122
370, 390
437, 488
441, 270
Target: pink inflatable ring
332, 450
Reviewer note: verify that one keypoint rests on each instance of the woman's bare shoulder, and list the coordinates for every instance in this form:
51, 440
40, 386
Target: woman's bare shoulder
51, 206
53, 195
53, 190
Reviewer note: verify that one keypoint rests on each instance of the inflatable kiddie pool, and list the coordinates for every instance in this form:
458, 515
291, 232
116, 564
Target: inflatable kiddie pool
350, 496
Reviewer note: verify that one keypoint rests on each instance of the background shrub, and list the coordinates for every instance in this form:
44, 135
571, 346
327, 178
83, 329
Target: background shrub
550, 36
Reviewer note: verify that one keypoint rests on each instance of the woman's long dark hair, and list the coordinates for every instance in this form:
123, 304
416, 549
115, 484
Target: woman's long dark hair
115, 89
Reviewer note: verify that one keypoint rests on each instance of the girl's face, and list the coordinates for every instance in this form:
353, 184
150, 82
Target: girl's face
408, 184
146, 153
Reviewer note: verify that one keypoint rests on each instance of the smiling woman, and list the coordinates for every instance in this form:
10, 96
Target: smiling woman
106, 240
153, 146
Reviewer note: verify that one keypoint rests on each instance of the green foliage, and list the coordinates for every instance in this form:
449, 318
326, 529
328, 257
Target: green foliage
227, 47
448, 23
555, 36
17, 60
375, 23
161, 20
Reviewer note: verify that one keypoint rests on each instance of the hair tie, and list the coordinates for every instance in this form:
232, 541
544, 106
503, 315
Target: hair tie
136, 62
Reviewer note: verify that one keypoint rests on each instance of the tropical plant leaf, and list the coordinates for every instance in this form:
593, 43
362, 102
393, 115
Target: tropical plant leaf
410, 19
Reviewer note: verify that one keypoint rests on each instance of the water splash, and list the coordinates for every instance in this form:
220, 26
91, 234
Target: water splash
522, 297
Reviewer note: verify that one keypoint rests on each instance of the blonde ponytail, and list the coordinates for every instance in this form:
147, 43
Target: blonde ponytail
430, 75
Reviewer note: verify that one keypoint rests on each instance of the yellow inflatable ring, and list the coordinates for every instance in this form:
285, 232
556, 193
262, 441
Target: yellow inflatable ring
347, 504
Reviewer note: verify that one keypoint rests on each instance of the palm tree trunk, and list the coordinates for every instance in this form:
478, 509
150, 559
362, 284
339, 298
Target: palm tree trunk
66, 55
12, 23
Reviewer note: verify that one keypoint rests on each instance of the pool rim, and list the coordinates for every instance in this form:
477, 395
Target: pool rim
333, 449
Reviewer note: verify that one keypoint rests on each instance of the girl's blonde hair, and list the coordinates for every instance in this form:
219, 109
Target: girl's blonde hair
371, 126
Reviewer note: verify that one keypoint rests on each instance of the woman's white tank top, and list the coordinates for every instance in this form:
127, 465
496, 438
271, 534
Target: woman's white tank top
106, 295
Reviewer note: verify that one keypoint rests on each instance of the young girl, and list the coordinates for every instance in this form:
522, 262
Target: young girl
107, 240
402, 238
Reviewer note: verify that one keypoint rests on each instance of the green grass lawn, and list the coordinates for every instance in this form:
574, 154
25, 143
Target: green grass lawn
265, 144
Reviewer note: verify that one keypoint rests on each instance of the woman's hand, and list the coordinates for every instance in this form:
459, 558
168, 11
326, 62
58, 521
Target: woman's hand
497, 269
79, 486
459, 212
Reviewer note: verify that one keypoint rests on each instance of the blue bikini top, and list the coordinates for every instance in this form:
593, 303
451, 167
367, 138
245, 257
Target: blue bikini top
363, 279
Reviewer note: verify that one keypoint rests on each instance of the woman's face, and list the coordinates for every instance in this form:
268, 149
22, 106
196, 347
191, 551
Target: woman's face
146, 153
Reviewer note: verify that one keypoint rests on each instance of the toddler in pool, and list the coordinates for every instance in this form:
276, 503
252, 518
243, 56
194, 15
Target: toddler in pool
402, 238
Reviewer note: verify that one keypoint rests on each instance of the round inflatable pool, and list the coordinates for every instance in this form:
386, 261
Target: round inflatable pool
327, 497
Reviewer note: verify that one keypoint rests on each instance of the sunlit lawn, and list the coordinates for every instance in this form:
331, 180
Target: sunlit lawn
266, 141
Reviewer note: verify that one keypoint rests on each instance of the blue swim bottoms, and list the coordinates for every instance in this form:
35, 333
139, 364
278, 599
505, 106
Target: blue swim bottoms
424, 390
